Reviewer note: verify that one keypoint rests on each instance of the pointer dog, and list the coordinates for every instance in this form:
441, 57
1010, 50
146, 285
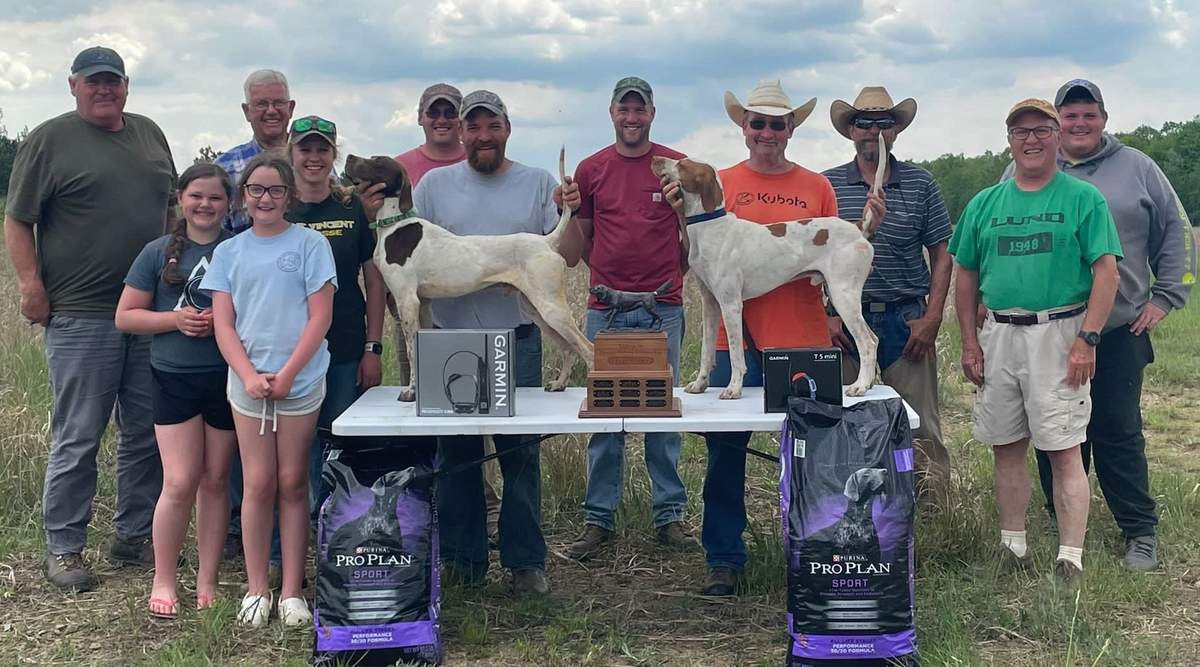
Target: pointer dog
421, 261
736, 260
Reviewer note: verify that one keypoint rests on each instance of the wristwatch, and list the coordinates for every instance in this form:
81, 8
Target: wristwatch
1090, 337
373, 346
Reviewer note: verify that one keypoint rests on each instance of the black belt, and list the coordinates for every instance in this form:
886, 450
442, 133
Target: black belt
1026, 320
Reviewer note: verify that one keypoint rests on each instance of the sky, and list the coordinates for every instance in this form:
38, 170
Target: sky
364, 63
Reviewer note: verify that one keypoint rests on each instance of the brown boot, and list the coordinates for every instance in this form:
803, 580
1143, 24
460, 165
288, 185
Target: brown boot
672, 535
69, 573
722, 582
530, 581
589, 543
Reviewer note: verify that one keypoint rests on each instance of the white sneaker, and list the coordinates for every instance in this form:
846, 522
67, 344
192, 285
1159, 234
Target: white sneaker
255, 610
293, 612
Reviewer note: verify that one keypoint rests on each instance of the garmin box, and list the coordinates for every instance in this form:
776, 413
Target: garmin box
812, 372
465, 373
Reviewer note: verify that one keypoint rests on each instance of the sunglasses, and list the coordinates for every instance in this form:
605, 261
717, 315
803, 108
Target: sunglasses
434, 114
868, 123
275, 191
1022, 133
776, 125
320, 124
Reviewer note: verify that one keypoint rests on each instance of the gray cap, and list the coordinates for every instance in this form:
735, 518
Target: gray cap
96, 59
440, 91
483, 99
633, 84
1087, 86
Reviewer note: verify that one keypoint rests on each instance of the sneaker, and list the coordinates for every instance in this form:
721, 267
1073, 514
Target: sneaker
530, 581
589, 543
1067, 574
133, 552
69, 573
1141, 553
722, 582
255, 609
294, 613
672, 535
1006, 562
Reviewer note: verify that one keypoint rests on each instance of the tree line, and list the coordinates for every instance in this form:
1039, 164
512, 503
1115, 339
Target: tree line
1175, 147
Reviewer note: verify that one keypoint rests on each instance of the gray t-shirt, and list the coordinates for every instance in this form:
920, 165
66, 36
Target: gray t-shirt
468, 203
172, 351
270, 279
95, 198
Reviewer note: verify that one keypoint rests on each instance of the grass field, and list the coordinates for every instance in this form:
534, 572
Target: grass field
637, 605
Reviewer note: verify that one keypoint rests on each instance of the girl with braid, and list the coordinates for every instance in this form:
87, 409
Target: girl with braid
192, 418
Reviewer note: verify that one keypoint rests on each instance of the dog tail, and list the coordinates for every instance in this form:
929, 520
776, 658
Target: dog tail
868, 221
664, 288
552, 237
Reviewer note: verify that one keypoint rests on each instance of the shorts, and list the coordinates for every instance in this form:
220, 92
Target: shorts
180, 396
1024, 392
267, 409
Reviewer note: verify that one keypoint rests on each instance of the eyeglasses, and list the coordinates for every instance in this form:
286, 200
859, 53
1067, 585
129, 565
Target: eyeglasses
275, 191
776, 125
1022, 133
881, 123
307, 123
448, 114
263, 105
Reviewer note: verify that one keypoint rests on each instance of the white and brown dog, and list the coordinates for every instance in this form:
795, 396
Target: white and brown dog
736, 260
421, 261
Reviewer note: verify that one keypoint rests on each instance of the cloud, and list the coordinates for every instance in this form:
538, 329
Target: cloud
15, 74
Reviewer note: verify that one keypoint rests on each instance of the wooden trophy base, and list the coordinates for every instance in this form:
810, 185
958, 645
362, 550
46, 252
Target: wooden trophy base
630, 394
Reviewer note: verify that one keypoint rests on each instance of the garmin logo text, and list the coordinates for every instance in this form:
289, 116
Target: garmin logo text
500, 371
783, 357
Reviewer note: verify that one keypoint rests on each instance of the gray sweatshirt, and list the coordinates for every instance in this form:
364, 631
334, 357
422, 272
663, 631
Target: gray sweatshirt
1160, 259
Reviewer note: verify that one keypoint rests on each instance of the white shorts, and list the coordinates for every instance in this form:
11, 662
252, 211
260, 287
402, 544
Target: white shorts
267, 409
1024, 392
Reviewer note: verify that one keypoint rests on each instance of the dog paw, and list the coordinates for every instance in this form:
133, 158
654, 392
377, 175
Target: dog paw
555, 385
696, 387
731, 393
408, 394
858, 388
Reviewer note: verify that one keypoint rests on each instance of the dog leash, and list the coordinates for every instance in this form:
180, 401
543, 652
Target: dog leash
393, 219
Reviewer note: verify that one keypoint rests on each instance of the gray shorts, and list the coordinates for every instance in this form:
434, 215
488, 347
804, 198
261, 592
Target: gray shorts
267, 409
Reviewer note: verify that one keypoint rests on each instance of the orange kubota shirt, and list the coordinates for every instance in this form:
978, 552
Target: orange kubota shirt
791, 315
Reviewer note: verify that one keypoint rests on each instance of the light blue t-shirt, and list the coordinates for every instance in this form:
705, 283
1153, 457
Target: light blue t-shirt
468, 203
270, 280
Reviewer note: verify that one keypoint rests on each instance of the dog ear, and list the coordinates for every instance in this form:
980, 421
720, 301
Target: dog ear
701, 179
402, 187
853, 489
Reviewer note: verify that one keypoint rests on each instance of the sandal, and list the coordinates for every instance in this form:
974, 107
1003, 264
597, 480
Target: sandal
163, 609
205, 601
293, 612
256, 609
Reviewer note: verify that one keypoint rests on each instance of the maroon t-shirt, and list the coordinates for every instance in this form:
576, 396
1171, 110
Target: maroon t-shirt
635, 232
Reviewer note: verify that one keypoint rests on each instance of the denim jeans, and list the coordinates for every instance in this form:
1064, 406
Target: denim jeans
725, 480
98, 372
341, 390
606, 451
462, 512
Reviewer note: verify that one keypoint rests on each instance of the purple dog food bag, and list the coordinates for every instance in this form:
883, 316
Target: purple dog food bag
847, 503
378, 595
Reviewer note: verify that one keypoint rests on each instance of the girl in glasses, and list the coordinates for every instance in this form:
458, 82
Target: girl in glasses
192, 420
272, 289
357, 330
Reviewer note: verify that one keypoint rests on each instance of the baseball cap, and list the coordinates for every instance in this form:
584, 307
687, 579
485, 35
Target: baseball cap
1031, 104
440, 91
633, 84
483, 99
310, 125
1088, 87
96, 59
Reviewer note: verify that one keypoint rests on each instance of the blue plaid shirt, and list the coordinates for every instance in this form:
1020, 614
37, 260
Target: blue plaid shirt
234, 162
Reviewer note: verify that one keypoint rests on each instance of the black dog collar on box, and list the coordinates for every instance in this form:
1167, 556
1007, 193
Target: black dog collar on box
479, 391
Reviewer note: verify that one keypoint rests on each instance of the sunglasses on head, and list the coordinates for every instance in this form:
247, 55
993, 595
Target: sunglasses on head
868, 123
434, 114
776, 125
320, 124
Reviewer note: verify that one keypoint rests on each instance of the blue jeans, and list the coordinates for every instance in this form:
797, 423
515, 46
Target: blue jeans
725, 481
341, 390
606, 451
462, 512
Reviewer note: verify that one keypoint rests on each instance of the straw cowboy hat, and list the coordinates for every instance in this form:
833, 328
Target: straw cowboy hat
871, 98
768, 99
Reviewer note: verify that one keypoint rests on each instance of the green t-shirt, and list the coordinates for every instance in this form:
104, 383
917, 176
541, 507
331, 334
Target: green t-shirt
1034, 250
95, 198
347, 229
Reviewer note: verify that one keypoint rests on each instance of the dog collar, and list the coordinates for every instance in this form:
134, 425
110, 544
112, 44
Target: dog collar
391, 220
705, 217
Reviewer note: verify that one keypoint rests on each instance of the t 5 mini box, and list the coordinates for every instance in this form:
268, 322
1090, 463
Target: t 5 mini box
812, 372
465, 373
